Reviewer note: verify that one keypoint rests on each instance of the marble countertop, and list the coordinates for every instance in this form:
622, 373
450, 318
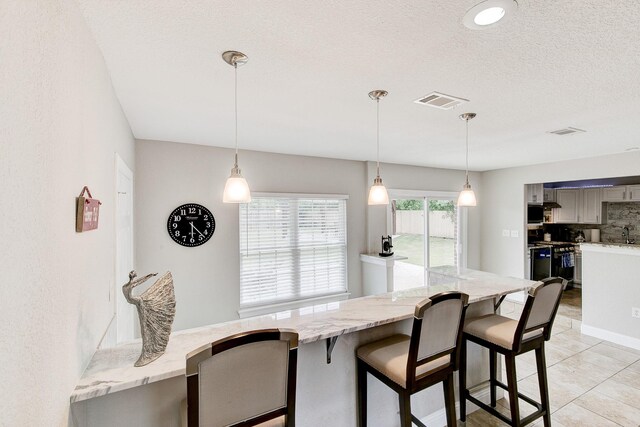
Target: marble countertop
112, 370
633, 249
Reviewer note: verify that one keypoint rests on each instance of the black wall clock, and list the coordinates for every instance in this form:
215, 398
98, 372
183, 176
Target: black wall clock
191, 225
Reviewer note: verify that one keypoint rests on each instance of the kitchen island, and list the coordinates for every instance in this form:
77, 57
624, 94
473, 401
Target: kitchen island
610, 292
151, 395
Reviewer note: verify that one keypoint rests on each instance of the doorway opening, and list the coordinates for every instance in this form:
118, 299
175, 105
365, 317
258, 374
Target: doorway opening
428, 229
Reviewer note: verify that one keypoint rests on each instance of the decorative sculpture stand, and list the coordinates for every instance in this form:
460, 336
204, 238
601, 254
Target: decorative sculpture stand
156, 310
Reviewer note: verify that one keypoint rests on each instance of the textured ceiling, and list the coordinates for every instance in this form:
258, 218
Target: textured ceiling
311, 64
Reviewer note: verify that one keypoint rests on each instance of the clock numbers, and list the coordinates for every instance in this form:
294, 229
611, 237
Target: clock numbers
191, 225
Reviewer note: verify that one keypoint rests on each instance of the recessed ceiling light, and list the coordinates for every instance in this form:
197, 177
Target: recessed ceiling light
489, 16
488, 13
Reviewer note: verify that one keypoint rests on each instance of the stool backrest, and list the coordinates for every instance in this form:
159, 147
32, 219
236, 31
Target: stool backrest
246, 379
541, 307
437, 330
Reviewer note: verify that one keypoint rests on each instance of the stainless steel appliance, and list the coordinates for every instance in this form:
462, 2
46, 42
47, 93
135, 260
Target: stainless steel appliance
535, 214
577, 277
563, 261
540, 262
552, 259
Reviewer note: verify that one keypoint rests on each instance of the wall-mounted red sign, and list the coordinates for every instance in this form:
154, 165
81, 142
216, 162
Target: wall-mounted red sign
87, 211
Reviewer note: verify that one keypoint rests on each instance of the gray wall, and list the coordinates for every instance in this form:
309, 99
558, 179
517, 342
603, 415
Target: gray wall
609, 292
503, 203
61, 125
207, 277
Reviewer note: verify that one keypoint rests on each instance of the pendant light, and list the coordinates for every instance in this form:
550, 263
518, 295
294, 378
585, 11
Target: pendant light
467, 197
236, 189
378, 193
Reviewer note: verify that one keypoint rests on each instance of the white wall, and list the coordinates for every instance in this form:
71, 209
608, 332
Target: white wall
402, 177
206, 278
60, 125
503, 203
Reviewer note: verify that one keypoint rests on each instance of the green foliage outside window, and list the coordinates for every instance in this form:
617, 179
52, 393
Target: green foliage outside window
447, 207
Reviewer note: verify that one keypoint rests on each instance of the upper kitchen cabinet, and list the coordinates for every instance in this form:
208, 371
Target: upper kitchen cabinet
535, 194
591, 206
633, 193
549, 195
615, 194
579, 206
621, 193
570, 201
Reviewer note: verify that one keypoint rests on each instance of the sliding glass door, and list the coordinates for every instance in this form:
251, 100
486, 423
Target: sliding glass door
427, 228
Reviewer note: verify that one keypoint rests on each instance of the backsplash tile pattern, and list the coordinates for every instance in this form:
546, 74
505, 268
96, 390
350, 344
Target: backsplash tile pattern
619, 215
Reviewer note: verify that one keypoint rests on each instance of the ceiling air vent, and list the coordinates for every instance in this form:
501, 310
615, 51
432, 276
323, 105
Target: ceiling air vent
567, 131
440, 100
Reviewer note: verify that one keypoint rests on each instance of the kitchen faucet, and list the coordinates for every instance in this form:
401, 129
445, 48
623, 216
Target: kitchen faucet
625, 235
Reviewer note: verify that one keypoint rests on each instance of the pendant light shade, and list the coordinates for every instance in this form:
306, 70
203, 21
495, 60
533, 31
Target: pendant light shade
378, 193
236, 189
467, 197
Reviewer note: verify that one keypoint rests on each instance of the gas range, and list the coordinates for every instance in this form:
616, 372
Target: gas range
556, 244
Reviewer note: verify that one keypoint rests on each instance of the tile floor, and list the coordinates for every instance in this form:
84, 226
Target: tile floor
591, 382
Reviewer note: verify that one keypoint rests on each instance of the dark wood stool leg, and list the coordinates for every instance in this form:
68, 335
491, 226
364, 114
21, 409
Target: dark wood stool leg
362, 394
462, 380
512, 383
450, 400
492, 376
542, 383
404, 398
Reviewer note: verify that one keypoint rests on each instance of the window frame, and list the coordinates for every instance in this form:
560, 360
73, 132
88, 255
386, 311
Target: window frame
268, 307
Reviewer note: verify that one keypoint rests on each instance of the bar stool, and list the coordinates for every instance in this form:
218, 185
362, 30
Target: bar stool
511, 338
410, 364
248, 379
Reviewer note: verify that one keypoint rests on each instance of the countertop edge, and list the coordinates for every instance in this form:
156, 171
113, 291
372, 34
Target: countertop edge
99, 382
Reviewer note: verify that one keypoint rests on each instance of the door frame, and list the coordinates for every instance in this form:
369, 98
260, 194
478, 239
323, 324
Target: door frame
462, 220
122, 168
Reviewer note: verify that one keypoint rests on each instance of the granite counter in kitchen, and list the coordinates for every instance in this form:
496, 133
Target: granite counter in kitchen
321, 385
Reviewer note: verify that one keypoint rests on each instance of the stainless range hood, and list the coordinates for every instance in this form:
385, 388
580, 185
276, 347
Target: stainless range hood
548, 205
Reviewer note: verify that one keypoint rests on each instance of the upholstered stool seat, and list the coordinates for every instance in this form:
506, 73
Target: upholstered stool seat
511, 338
389, 356
276, 422
408, 364
497, 329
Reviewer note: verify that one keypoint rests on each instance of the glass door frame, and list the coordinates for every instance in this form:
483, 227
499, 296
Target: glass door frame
461, 221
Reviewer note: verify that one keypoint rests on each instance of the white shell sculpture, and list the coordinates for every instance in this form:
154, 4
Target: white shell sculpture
156, 310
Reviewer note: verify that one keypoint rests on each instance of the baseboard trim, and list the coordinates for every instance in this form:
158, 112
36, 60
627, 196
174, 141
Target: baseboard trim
439, 418
613, 337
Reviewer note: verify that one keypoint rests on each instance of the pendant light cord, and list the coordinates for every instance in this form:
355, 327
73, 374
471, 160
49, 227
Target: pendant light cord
378, 137
235, 68
467, 153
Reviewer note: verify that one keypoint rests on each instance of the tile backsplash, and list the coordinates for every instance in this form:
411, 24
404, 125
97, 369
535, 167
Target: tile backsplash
619, 215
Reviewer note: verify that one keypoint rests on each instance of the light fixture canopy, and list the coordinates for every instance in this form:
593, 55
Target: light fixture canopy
236, 189
488, 13
378, 193
467, 197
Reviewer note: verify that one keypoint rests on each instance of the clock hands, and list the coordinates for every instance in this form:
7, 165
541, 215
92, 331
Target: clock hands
193, 227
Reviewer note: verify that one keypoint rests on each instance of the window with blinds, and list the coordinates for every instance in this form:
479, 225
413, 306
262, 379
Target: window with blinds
292, 248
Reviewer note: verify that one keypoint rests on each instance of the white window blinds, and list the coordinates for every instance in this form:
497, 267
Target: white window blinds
292, 248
